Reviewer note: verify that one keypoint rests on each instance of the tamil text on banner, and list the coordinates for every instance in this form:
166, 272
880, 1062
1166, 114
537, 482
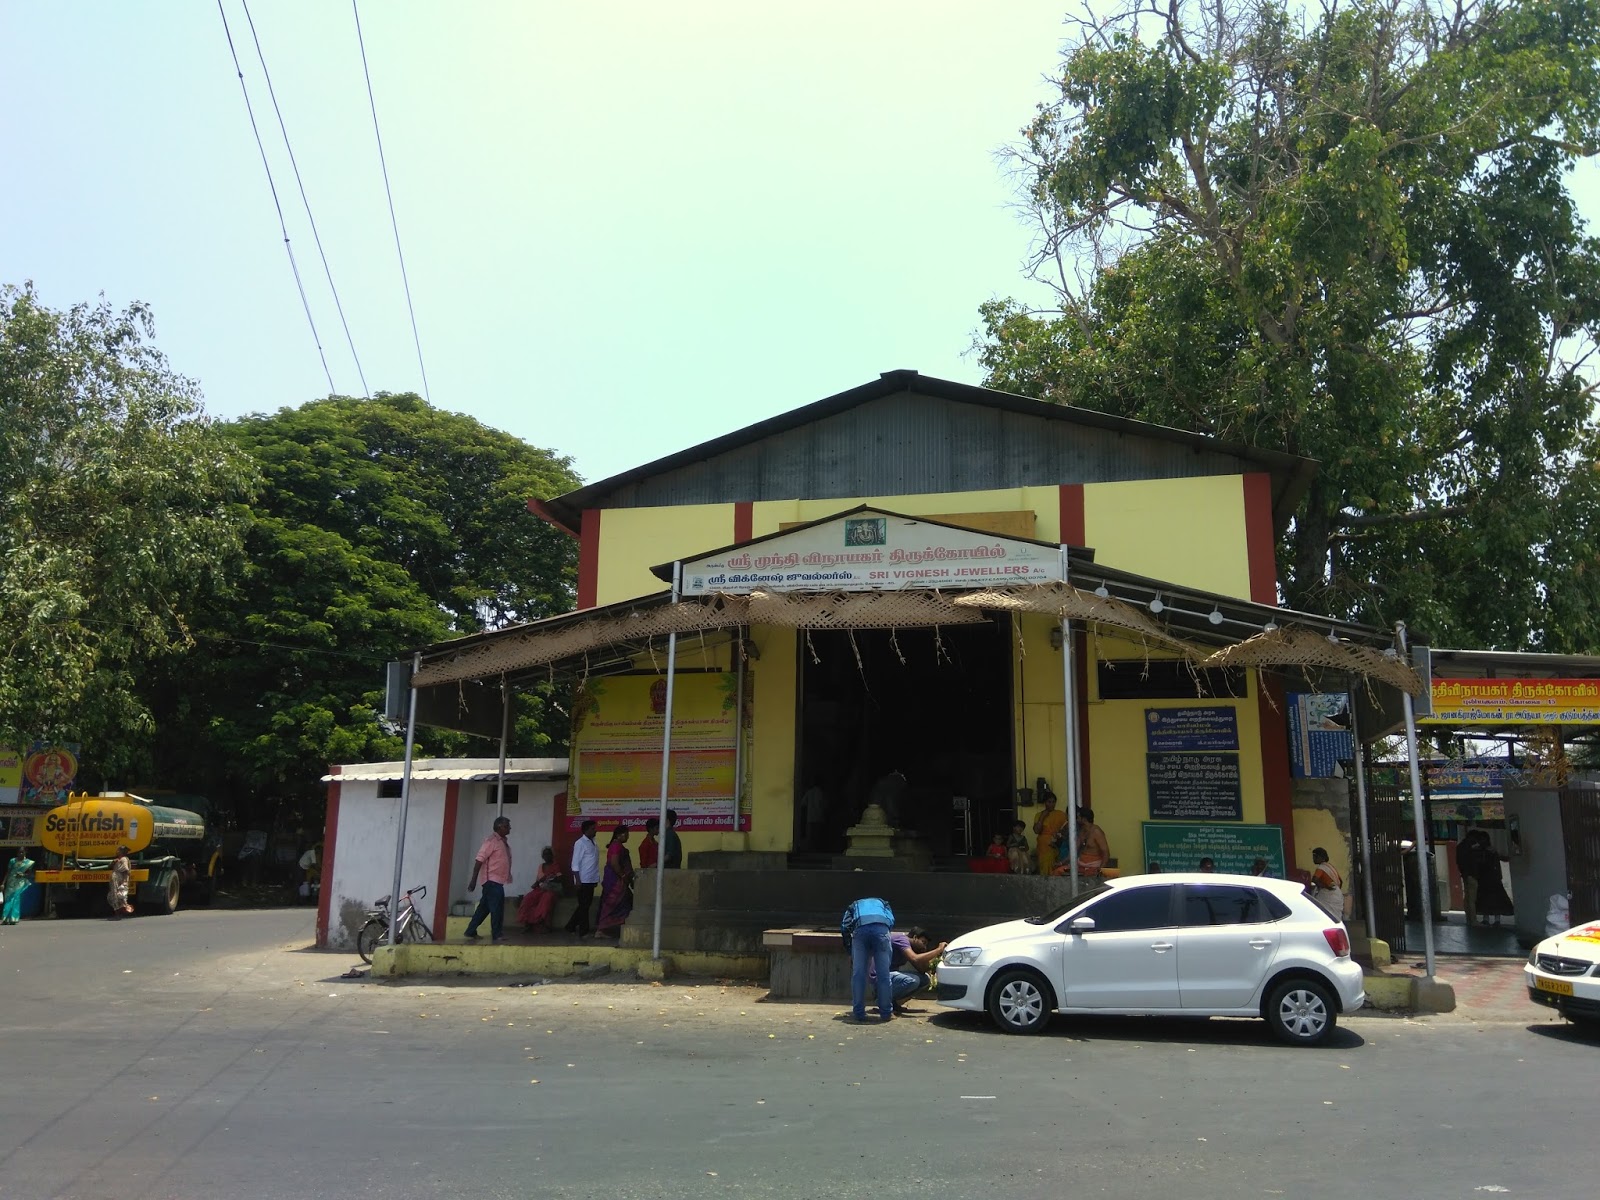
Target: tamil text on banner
1515, 702
616, 751
1192, 763
871, 550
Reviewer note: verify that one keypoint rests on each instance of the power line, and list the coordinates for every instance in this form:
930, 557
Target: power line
317, 237
293, 266
394, 224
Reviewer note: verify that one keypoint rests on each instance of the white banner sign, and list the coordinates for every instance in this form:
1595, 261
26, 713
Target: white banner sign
872, 551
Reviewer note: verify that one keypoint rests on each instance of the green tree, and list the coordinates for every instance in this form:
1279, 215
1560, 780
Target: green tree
1348, 236
118, 516
382, 525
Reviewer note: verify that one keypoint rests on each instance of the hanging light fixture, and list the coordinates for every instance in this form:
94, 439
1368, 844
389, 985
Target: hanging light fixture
1216, 615
1156, 606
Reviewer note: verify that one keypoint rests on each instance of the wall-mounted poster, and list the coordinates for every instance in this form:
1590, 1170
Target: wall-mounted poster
17, 828
48, 773
1194, 787
1319, 734
616, 751
1231, 848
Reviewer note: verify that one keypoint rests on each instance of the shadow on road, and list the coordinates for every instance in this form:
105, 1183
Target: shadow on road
1219, 1031
1576, 1035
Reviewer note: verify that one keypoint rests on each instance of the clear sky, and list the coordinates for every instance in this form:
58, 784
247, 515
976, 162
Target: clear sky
628, 226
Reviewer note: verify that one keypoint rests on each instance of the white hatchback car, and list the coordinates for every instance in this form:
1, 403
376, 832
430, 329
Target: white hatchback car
1564, 972
1164, 945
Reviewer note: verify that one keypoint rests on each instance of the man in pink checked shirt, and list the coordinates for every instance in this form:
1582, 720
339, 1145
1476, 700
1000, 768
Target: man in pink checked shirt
494, 862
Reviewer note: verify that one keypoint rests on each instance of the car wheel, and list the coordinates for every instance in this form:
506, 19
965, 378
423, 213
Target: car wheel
1020, 1002
1302, 1012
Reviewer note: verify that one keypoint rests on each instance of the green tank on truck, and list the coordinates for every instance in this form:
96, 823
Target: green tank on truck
172, 852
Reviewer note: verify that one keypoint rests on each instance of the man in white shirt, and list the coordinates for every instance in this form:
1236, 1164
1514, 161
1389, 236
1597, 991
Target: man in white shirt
585, 874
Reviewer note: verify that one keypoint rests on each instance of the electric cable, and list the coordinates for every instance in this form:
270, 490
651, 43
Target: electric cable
293, 266
305, 200
394, 224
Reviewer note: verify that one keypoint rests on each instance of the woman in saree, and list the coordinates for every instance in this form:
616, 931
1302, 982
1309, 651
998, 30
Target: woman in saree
616, 893
117, 894
16, 882
536, 907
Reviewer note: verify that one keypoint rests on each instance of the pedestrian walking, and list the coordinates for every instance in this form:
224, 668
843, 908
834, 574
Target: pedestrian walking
493, 862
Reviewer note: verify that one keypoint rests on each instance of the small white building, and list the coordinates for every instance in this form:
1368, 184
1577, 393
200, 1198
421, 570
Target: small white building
452, 809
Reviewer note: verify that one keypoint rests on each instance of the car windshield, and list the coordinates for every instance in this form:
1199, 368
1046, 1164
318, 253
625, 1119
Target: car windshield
1080, 899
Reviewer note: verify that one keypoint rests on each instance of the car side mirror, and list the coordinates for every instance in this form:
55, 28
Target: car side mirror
1082, 925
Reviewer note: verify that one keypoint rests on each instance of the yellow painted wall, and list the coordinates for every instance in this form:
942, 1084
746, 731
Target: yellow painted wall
632, 540
1315, 827
1188, 531
1045, 503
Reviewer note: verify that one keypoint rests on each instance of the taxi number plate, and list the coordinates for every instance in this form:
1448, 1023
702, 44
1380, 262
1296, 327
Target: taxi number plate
1558, 986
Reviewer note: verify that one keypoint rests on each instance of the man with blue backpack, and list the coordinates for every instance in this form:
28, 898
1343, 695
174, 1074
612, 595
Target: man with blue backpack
865, 930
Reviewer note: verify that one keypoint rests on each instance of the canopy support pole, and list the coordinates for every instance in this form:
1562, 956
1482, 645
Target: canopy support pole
1419, 815
505, 734
1360, 765
666, 764
1069, 708
405, 805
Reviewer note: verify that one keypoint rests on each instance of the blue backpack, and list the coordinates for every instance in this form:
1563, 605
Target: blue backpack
869, 909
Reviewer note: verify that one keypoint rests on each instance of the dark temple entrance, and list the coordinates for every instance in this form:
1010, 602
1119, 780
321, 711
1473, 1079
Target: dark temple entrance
933, 706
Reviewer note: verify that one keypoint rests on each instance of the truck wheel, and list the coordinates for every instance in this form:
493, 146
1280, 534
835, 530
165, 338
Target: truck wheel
166, 903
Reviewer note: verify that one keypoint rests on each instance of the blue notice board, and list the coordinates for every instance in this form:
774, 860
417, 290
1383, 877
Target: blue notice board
1196, 728
1319, 734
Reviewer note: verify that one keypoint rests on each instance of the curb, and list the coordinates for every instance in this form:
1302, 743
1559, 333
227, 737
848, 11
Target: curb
444, 958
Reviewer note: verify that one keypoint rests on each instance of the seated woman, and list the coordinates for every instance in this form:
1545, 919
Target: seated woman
616, 891
536, 907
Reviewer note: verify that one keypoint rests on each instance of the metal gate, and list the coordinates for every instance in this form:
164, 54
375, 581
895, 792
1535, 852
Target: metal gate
1387, 922
1580, 829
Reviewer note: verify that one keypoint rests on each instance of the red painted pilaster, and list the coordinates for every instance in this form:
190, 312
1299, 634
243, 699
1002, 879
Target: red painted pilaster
1260, 540
1072, 518
744, 521
589, 558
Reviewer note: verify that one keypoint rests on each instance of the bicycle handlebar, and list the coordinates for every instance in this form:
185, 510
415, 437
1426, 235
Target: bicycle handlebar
419, 892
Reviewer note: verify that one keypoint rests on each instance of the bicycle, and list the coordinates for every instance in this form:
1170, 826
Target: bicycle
375, 932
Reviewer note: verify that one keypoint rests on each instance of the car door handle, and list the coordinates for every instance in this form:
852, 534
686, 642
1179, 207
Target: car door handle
1161, 947
1261, 943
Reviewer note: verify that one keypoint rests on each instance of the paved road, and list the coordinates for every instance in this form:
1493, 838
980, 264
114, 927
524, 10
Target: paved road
210, 1055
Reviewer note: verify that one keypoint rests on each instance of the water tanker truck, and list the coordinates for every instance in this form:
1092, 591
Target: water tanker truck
167, 848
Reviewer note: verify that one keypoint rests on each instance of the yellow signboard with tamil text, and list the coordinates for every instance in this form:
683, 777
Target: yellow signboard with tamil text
1515, 702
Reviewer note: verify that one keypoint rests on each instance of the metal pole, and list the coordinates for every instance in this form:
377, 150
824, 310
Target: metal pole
1360, 763
1423, 875
666, 766
405, 805
505, 734
1069, 707
738, 726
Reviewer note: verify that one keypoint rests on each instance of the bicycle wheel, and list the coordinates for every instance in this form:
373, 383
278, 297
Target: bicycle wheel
416, 930
373, 934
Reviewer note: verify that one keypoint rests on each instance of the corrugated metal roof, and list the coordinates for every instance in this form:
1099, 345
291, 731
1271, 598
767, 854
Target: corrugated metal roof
906, 433
465, 770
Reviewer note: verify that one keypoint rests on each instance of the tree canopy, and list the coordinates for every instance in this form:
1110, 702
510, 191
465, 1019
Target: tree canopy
1347, 233
119, 514
381, 525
